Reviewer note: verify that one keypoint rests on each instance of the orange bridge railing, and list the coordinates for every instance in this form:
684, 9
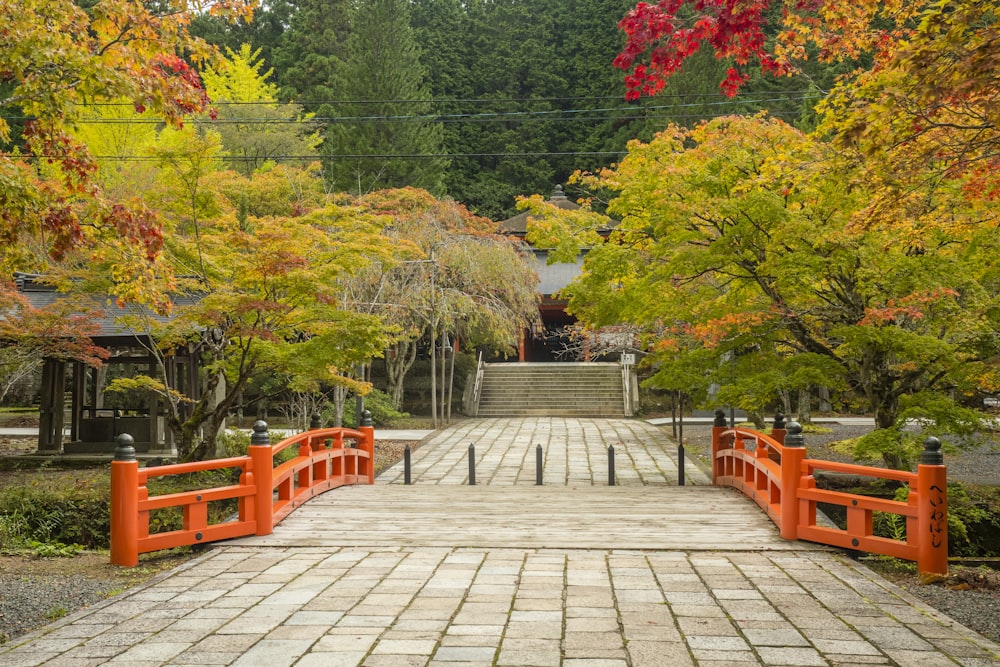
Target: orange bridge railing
773, 470
267, 490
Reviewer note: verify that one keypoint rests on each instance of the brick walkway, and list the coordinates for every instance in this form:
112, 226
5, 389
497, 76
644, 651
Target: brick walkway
492, 592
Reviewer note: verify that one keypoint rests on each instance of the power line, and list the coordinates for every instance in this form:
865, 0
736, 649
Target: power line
482, 100
505, 116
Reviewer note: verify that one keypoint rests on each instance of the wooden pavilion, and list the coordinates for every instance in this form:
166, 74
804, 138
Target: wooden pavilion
77, 416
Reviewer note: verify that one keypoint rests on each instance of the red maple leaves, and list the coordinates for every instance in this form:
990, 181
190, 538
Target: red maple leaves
670, 31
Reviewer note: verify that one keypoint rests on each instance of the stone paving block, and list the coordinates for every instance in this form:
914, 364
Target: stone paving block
345, 643
457, 629
775, 637
921, 658
659, 654
961, 648
795, 657
710, 642
534, 630
152, 651
701, 611
592, 624
593, 662
533, 652
405, 647
352, 621
332, 659
897, 637
856, 646
297, 632
703, 656
844, 660
274, 653
394, 661
482, 654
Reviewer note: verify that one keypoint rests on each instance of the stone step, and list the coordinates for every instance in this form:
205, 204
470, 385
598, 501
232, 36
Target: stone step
572, 390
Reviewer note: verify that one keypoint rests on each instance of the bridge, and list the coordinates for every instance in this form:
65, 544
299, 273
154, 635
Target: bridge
574, 571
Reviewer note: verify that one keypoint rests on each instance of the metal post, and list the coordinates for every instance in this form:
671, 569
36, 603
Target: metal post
538, 465
680, 446
472, 465
406, 465
611, 465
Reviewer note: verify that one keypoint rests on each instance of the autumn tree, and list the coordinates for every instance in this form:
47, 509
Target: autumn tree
457, 281
734, 256
928, 98
264, 290
56, 57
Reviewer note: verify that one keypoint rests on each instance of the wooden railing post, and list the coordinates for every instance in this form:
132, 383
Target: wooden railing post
262, 461
124, 503
792, 454
778, 431
932, 510
369, 442
718, 426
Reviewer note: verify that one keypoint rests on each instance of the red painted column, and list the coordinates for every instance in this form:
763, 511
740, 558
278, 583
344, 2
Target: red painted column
263, 476
125, 504
932, 511
792, 454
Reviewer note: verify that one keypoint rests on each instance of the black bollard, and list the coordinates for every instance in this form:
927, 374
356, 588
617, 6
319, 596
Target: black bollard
472, 465
611, 465
538, 465
680, 464
406, 465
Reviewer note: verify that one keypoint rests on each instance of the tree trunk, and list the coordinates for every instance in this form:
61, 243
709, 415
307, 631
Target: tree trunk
398, 361
805, 406
339, 401
824, 399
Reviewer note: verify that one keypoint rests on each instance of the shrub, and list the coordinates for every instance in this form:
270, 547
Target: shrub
57, 514
377, 402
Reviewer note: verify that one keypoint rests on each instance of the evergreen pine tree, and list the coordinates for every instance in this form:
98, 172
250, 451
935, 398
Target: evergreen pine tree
383, 110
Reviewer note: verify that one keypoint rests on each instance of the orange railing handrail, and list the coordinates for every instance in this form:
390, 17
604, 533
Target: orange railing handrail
774, 472
266, 492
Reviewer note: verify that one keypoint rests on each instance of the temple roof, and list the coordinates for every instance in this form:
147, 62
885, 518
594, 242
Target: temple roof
518, 225
40, 295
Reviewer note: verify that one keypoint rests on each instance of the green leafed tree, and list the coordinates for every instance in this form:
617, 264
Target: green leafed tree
383, 133
252, 126
265, 291
736, 252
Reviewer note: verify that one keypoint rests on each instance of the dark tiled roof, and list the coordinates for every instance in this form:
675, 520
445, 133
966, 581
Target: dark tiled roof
41, 295
518, 225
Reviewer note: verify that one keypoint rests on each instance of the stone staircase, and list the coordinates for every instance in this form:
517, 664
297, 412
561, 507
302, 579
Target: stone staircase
552, 390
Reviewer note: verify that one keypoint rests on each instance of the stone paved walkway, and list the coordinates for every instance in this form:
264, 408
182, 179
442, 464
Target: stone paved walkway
517, 604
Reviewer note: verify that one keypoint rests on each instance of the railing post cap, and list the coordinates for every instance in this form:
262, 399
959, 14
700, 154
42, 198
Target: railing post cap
366, 418
315, 422
779, 420
260, 436
720, 418
794, 437
124, 450
932, 456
